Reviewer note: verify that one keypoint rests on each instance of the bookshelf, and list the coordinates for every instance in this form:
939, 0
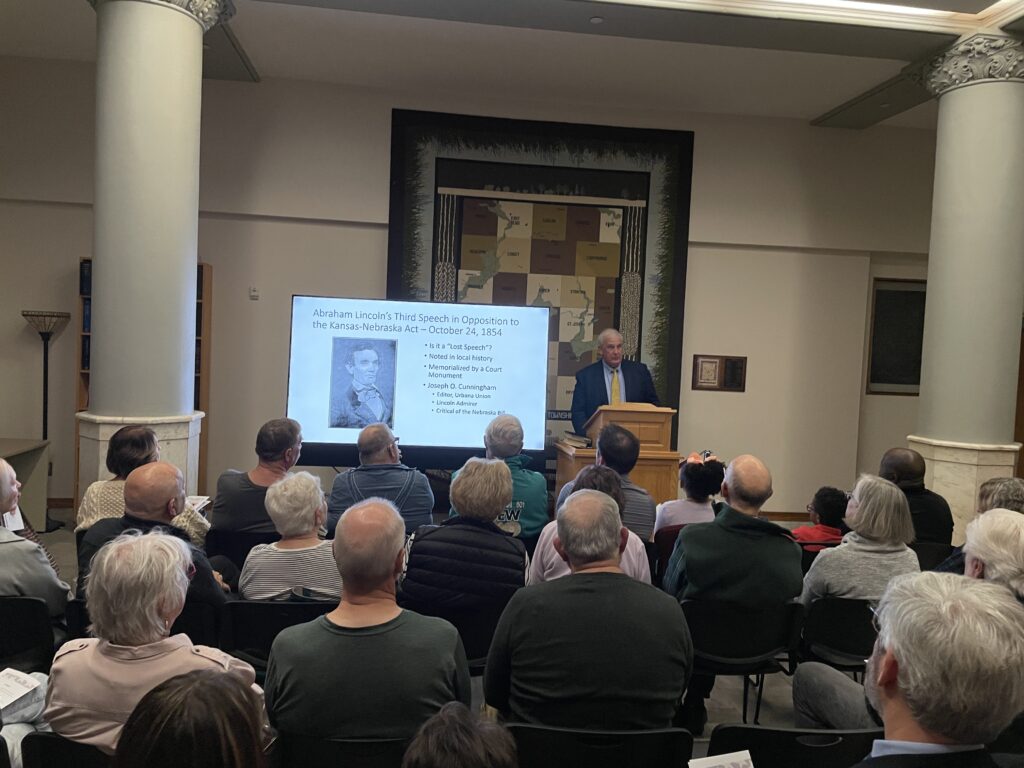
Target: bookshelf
201, 399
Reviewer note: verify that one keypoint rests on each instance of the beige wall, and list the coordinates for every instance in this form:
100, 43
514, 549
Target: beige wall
294, 195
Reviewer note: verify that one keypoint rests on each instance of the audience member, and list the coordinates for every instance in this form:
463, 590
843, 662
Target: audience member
596, 649
21, 717
826, 512
300, 559
548, 564
933, 521
135, 591
527, 513
994, 549
201, 719
10, 497
129, 448
738, 558
700, 476
24, 569
368, 669
240, 501
153, 495
997, 493
467, 562
873, 552
619, 449
456, 738
381, 474
947, 671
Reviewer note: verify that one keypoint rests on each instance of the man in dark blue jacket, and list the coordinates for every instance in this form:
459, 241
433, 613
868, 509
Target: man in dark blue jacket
610, 380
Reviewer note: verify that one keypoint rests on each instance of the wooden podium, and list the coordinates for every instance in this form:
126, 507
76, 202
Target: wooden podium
657, 470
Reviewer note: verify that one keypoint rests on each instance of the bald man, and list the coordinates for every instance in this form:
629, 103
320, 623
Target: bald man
367, 669
382, 474
933, 520
154, 494
737, 558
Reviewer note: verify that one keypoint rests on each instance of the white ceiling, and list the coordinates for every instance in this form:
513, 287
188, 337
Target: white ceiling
412, 53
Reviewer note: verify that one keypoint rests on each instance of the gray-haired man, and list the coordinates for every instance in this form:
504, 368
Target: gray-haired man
595, 649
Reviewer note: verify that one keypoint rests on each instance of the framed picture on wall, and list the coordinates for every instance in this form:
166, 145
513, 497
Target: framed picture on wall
897, 333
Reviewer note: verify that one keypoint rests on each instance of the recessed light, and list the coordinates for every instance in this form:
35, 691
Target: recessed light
597, 20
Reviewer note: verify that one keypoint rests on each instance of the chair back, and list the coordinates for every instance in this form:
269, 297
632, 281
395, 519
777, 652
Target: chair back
475, 627
839, 631
248, 627
76, 616
664, 542
732, 639
1011, 740
930, 553
809, 551
48, 750
793, 747
235, 545
542, 746
306, 752
26, 634
199, 621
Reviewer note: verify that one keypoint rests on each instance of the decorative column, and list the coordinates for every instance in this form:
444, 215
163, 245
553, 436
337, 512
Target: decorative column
975, 270
149, 68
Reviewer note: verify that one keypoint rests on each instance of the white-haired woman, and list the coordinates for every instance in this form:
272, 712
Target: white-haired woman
301, 558
994, 549
135, 590
873, 552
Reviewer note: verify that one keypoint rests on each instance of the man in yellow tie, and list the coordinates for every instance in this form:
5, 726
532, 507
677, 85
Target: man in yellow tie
610, 380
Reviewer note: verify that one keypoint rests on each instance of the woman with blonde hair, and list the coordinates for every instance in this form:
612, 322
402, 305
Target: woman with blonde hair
873, 552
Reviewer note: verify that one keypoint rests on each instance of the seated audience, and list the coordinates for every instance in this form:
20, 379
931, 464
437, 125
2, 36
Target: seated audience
135, 591
468, 561
456, 738
826, 511
154, 494
301, 558
381, 474
368, 669
738, 558
547, 564
997, 493
10, 497
239, 503
21, 717
947, 671
129, 448
700, 477
619, 449
596, 649
201, 719
24, 568
929, 512
873, 552
527, 513
823, 697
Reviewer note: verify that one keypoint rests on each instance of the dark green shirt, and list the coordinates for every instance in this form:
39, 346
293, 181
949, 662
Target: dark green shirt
590, 650
377, 682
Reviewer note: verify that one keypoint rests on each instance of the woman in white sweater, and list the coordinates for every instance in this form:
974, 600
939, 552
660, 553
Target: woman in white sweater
873, 552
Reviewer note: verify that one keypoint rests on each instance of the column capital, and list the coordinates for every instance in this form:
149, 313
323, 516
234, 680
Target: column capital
983, 57
209, 13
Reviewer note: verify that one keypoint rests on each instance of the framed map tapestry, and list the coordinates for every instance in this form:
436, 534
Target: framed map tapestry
589, 221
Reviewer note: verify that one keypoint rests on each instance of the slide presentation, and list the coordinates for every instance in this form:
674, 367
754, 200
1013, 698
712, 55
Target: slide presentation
435, 373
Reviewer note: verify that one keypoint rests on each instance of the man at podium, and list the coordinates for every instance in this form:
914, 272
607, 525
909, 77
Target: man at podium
609, 381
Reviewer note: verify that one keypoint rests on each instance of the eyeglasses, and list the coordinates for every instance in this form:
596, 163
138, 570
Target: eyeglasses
874, 618
810, 508
394, 440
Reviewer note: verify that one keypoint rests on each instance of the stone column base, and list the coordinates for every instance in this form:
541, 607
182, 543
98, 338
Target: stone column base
957, 470
178, 436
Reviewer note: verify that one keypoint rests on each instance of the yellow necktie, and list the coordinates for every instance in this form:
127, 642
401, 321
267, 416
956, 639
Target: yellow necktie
616, 396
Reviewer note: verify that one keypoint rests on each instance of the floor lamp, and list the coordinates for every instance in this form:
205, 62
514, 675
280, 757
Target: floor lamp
46, 324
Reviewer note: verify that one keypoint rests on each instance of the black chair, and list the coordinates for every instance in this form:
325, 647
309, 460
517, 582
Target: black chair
1011, 740
235, 545
810, 550
838, 632
931, 553
542, 746
248, 627
26, 642
76, 616
476, 629
199, 621
290, 751
792, 747
664, 543
48, 750
729, 639
652, 561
